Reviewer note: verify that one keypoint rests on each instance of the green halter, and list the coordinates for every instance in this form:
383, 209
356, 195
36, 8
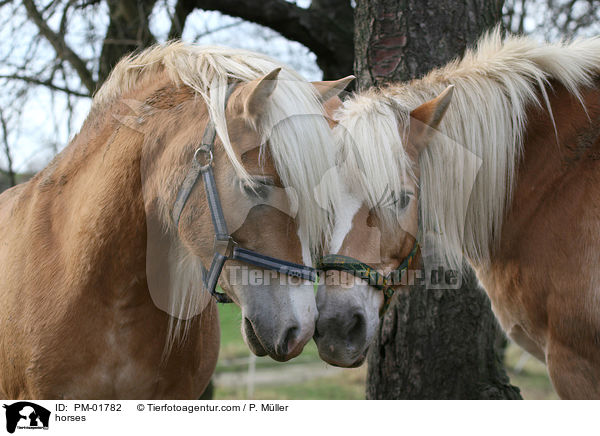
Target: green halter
359, 269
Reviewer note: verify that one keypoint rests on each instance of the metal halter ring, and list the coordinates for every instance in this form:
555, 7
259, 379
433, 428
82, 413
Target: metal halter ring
208, 156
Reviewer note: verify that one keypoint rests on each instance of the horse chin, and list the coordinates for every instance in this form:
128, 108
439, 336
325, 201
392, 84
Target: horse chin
343, 361
358, 362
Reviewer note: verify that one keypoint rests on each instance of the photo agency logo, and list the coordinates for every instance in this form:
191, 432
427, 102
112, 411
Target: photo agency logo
25, 415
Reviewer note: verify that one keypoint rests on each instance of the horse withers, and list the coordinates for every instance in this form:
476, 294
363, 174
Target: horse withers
101, 286
510, 180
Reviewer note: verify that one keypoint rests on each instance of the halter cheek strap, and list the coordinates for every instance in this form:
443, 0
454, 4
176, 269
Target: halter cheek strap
366, 272
225, 247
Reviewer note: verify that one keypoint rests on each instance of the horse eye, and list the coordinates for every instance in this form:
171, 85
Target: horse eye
403, 201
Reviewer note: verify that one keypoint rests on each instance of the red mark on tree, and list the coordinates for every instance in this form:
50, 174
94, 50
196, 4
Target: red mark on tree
385, 54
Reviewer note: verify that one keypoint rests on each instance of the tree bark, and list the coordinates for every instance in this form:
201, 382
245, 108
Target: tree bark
439, 344
399, 40
432, 344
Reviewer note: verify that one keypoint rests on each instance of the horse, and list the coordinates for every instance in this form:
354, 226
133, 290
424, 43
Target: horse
105, 253
494, 157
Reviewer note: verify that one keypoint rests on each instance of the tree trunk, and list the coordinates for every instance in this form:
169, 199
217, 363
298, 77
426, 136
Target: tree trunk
399, 40
432, 344
439, 344
127, 31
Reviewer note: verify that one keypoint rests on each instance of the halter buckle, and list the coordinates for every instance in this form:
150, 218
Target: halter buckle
204, 156
225, 246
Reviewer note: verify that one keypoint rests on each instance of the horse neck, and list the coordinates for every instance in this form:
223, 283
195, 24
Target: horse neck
97, 204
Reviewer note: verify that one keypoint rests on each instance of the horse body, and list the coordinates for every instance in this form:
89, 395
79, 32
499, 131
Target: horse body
543, 278
77, 320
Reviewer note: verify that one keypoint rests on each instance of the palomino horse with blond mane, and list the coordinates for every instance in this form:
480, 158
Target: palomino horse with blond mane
511, 180
103, 253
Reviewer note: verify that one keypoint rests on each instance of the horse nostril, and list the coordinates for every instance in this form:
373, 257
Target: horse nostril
249, 327
357, 328
290, 340
252, 339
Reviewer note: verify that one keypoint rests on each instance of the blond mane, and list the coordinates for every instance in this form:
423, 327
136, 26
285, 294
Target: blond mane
468, 170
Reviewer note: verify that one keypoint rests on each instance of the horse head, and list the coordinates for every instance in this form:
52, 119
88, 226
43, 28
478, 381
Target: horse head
375, 236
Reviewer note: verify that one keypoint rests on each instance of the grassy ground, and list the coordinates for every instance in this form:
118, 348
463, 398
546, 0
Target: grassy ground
532, 378
342, 386
5, 180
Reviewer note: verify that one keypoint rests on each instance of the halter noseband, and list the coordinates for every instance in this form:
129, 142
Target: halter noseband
363, 271
226, 248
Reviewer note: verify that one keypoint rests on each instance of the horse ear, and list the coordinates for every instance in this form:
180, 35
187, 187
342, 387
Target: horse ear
260, 91
330, 106
328, 91
332, 88
427, 117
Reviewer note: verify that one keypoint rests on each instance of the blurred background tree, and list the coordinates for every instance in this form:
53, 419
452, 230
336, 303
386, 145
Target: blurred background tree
55, 53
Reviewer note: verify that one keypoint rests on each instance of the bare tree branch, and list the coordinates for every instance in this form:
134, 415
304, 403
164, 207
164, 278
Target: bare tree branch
63, 21
183, 8
326, 28
46, 83
10, 170
60, 46
553, 18
199, 36
522, 18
